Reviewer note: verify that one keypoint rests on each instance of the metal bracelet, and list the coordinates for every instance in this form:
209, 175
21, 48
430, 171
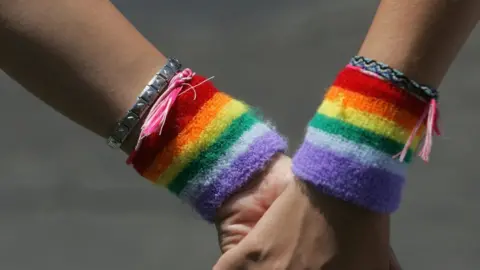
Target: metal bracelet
157, 85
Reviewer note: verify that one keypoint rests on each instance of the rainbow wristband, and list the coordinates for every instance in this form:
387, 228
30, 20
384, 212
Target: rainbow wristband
211, 146
350, 142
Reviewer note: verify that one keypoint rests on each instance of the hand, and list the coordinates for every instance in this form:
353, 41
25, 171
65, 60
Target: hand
237, 217
307, 243
291, 235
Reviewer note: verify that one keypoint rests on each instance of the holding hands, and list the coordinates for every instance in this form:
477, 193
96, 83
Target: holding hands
328, 207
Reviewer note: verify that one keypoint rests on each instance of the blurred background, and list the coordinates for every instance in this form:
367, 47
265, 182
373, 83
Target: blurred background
69, 202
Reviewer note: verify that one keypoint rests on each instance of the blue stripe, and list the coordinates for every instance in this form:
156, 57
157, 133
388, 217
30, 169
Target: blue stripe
361, 153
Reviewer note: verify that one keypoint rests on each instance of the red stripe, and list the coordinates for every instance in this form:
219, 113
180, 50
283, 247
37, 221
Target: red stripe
356, 81
184, 109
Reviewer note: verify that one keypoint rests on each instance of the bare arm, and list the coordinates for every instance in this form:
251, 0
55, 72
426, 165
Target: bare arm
420, 38
83, 58
409, 36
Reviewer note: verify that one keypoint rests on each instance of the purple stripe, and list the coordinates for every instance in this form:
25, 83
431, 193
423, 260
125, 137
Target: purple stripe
239, 173
373, 188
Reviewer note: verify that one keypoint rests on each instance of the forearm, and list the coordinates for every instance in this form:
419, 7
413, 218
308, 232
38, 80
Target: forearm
364, 122
354, 238
83, 58
420, 37
88, 62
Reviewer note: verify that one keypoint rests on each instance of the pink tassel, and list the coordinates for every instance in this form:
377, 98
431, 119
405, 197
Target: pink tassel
432, 128
431, 116
156, 118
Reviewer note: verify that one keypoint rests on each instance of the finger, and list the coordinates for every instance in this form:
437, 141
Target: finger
231, 237
245, 255
233, 259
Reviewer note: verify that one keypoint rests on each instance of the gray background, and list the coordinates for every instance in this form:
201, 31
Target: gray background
69, 202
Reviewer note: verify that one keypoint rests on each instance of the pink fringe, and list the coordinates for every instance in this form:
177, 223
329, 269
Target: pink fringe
157, 116
431, 117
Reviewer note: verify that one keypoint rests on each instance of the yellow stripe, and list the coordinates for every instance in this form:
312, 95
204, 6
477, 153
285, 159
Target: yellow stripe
191, 132
367, 121
209, 135
363, 103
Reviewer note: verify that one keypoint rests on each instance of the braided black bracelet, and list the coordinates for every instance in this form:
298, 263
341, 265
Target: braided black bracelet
394, 76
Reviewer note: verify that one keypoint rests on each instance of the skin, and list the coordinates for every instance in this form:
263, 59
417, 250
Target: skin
300, 229
47, 46
83, 58
426, 36
420, 38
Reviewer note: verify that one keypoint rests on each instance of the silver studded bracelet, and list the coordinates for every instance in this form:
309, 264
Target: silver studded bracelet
157, 85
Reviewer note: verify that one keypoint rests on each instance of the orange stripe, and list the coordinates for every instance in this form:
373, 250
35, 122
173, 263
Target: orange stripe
191, 133
372, 105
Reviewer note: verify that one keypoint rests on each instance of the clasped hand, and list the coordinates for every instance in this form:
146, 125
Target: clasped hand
278, 222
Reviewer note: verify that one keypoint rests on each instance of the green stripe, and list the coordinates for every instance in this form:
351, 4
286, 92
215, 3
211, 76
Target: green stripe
208, 157
358, 135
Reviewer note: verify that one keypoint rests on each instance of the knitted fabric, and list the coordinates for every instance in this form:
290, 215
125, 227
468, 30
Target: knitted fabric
347, 152
211, 145
394, 76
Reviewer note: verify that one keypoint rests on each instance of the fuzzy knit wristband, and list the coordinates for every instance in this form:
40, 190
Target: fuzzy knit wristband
350, 142
210, 146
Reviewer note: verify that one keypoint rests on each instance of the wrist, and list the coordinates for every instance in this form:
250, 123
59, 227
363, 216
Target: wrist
267, 185
351, 141
364, 134
209, 147
357, 238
